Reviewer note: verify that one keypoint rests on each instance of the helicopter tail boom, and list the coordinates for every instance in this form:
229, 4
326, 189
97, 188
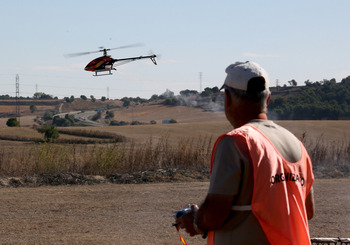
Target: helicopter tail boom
151, 57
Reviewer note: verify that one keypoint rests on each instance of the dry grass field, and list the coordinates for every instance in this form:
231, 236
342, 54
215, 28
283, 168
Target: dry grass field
194, 121
133, 214
141, 214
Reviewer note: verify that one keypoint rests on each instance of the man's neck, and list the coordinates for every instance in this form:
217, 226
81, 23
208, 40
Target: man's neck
245, 118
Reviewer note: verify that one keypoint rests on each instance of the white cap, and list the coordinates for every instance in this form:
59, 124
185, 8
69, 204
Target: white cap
239, 73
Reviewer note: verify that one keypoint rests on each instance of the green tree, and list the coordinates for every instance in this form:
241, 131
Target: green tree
118, 123
48, 115
40, 95
154, 97
61, 122
188, 92
69, 100
215, 89
172, 121
12, 122
109, 114
97, 116
207, 92
292, 83
83, 97
171, 101
126, 102
32, 108
5, 97
51, 134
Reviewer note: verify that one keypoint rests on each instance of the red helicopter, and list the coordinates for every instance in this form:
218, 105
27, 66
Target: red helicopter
105, 63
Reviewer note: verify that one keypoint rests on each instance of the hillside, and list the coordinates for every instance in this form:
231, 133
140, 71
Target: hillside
143, 113
325, 100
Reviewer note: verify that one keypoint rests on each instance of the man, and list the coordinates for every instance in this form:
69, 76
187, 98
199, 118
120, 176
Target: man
261, 175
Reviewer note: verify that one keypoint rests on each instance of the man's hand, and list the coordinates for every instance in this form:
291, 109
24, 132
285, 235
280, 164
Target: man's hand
186, 221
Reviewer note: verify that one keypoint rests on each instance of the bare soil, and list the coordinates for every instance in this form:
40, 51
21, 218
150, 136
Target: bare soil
74, 209
133, 213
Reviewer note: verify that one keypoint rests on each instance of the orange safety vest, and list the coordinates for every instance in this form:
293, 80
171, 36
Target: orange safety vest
280, 188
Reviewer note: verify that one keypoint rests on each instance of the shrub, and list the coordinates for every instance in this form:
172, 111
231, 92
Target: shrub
48, 115
50, 133
126, 102
32, 108
109, 114
69, 100
135, 123
97, 116
118, 123
171, 101
12, 122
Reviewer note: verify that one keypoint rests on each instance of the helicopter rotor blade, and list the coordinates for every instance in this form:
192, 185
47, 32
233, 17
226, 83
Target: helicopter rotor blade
102, 49
80, 54
127, 46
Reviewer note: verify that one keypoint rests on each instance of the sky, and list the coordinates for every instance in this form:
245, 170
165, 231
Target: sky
195, 40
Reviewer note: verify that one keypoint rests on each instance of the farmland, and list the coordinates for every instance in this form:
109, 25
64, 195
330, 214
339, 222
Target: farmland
133, 214
108, 213
324, 139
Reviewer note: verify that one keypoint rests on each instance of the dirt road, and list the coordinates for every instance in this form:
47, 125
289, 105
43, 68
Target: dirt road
133, 214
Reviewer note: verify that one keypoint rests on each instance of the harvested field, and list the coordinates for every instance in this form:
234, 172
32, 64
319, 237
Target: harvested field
75, 209
133, 214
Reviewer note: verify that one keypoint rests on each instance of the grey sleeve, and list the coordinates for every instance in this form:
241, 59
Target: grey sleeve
227, 168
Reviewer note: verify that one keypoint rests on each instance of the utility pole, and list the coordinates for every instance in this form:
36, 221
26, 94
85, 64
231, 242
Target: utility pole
17, 99
200, 82
107, 93
132, 112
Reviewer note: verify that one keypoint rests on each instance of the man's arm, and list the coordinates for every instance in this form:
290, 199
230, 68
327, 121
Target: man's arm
210, 216
224, 185
214, 211
310, 204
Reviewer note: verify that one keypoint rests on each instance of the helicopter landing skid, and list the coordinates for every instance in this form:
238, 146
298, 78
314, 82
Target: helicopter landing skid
104, 74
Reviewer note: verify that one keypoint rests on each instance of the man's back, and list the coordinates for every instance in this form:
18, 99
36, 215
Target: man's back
232, 166
284, 141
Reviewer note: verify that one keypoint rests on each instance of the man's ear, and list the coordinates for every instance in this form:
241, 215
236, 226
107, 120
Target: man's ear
268, 100
228, 98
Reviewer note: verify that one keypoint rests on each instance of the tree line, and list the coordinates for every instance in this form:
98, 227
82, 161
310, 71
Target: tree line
321, 100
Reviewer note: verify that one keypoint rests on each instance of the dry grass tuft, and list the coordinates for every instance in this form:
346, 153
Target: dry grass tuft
154, 153
330, 158
106, 159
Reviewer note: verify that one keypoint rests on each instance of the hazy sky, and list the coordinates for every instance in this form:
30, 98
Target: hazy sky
299, 39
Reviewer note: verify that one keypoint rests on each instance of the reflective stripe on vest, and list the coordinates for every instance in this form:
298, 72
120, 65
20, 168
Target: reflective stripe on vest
241, 208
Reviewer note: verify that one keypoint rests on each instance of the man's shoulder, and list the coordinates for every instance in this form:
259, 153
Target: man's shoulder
267, 127
286, 143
